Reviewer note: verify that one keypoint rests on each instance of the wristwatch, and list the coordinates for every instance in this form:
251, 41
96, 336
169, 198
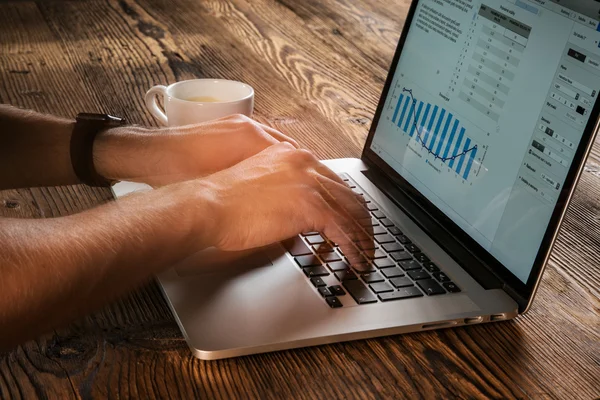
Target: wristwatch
87, 127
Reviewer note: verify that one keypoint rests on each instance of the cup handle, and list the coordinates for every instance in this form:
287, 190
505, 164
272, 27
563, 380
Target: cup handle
152, 106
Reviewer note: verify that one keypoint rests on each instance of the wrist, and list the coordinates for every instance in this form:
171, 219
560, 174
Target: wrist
199, 199
128, 153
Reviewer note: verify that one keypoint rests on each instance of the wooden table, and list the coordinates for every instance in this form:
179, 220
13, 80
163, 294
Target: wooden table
318, 67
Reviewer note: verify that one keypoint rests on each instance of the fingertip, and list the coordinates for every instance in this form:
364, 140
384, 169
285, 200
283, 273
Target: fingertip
370, 253
288, 145
285, 138
369, 231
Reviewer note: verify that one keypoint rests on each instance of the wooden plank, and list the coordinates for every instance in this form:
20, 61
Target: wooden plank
304, 98
595, 154
358, 30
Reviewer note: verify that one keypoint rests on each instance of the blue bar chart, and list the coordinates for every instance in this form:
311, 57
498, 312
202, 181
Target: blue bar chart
437, 131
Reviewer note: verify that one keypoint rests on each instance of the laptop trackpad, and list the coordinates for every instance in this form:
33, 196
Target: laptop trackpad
213, 261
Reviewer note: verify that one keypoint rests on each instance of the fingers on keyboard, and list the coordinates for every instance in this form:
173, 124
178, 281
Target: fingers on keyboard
346, 245
357, 261
371, 257
343, 200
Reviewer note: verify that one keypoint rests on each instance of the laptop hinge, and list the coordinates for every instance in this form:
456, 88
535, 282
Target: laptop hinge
467, 260
520, 300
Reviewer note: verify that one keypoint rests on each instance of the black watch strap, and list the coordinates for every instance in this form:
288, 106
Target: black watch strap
87, 127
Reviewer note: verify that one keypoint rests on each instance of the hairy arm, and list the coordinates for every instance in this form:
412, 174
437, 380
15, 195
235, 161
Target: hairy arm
54, 270
35, 149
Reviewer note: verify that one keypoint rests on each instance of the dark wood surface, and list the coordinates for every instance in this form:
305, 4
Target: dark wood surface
318, 67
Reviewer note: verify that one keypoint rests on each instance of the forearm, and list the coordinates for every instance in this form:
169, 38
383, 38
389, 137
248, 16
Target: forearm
56, 269
139, 154
34, 149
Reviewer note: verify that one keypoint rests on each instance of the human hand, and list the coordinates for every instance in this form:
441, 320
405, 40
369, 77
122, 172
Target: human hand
277, 194
162, 156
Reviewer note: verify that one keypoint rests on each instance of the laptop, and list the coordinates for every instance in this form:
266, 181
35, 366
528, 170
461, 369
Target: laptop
481, 133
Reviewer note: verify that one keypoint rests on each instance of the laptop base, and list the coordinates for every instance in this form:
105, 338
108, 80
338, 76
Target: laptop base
260, 302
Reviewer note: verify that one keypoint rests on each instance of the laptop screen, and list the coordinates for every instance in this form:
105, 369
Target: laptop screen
486, 109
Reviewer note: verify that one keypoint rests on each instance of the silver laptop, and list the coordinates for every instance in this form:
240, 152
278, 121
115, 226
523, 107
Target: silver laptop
482, 130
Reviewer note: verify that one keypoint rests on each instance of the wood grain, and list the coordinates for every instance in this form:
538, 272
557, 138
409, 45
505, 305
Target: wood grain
318, 68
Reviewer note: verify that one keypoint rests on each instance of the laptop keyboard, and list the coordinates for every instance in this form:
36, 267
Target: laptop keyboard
398, 269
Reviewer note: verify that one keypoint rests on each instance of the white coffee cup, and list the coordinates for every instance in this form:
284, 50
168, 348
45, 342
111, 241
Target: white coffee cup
199, 100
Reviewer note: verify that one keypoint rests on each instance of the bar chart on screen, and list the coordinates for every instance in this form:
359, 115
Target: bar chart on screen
437, 133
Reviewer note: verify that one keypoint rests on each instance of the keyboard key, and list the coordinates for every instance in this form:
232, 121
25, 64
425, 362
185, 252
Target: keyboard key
307, 261
317, 239
366, 245
371, 207
394, 230
410, 265
422, 258
451, 287
325, 292
330, 257
402, 293
401, 255
384, 239
392, 272
379, 230
430, 287
381, 287
412, 248
337, 290
378, 214
364, 268
347, 275
323, 248
338, 266
431, 267
296, 246
365, 222
418, 275
395, 246
401, 282
384, 263
318, 282
359, 292
441, 277
386, 222
372, 277
358, 259
404, 239
378, 254
309, 233
344, 176
315, 271
333, 302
